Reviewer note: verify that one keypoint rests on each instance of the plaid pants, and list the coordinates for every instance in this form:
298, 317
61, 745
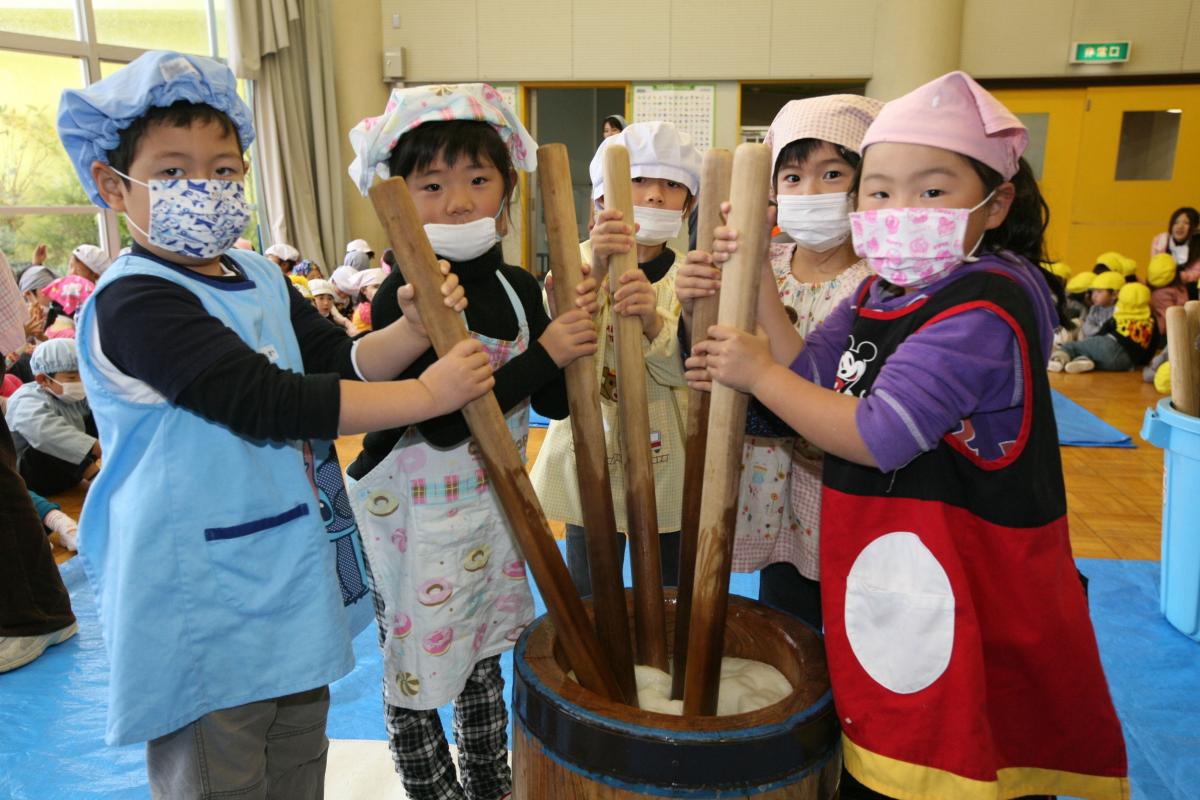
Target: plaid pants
422, 756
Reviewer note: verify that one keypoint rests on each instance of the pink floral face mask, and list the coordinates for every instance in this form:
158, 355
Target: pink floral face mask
912, 247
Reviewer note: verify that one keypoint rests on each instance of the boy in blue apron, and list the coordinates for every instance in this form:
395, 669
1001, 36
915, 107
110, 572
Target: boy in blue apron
216, 390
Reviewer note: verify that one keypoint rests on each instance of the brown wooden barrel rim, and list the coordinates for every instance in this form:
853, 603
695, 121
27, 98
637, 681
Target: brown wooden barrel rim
780, 742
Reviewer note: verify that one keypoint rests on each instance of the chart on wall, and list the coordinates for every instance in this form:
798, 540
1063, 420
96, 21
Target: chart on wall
689, 106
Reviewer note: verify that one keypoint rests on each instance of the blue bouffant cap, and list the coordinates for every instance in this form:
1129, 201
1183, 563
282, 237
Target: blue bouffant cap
90, 120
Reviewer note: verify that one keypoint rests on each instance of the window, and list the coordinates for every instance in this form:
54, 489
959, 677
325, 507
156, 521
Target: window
1038, 125
51, 45
1147, 148
45, 18
180, 25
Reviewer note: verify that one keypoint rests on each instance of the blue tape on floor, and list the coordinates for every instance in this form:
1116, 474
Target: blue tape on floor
52, 711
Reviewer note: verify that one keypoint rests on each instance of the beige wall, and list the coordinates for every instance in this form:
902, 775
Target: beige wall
586, 40
1019, 38
896, 43
361, 92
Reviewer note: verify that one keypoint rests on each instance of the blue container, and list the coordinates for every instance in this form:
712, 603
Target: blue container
1179, 437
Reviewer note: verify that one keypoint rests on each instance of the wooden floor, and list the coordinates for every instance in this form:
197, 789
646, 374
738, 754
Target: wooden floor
1114, 496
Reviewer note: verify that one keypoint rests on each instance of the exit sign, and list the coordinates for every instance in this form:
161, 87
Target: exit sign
1100, 52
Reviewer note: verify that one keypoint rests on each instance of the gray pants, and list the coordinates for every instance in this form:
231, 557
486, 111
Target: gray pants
1104, 350
268, 750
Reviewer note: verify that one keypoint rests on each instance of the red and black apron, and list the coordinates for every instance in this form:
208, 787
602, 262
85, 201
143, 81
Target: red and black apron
963, 660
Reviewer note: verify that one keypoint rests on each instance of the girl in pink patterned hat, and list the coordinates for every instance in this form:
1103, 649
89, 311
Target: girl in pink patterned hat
960, 650
439, 545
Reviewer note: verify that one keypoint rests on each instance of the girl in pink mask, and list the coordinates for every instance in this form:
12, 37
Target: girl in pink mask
943, 529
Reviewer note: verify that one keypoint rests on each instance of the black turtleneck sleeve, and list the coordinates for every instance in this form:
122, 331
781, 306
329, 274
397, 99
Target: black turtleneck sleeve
532, 374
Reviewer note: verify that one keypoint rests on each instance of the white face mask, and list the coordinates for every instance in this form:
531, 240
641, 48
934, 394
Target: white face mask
817, 222
72, 391
458, 243
656, 225
192, 217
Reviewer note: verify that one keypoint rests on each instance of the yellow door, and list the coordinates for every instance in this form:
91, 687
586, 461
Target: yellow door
1129, 181
1055, 120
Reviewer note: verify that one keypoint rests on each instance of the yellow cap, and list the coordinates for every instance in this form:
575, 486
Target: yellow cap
1080, 283
1133, 303
1109, 280
1161, 270
1060, 269
1127, 266
1162, 378
1112, 259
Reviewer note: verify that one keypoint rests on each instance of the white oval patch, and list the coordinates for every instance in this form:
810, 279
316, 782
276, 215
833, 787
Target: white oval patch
900, 613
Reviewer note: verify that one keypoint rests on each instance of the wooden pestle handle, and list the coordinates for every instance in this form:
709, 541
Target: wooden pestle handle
715, 172
650, 622
1183, 328
506, 473
726, 432
587, 426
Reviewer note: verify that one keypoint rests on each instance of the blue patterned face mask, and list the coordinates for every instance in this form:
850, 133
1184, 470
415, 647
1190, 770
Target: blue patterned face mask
194, 218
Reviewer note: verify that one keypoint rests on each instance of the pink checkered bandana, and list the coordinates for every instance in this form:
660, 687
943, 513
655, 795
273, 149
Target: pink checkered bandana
842, 119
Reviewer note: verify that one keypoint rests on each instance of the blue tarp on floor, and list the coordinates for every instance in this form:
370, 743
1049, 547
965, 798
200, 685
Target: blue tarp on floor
1079, 427
52, 711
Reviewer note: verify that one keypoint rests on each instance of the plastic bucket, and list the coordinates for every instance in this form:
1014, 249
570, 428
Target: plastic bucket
1179, 437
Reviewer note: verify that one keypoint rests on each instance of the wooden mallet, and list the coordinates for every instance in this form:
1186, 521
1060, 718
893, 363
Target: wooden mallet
714, 190
1183, 328
650, 624
587, 426
506, 474
726, 431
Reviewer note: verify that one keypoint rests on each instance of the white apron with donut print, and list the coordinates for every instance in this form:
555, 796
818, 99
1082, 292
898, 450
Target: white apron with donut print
450, 585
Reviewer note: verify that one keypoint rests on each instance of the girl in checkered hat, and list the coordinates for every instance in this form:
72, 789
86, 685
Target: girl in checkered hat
815, 145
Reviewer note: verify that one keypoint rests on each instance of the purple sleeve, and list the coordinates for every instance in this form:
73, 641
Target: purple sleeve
965, 365
824, 345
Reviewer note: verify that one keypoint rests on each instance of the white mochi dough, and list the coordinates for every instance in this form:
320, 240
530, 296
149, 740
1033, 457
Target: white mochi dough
745, 686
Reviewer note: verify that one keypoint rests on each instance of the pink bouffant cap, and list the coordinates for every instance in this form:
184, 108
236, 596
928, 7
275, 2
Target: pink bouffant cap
955, 113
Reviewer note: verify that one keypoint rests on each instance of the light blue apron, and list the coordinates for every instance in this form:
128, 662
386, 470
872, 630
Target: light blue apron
209, 553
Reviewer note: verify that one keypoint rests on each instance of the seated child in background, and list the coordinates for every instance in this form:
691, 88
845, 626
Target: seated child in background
1113, 261
359, 247
88, 261
1103, 297
1069, 330
1166, 289
32, 283
357, 261
323, 298
51, 422
369, 281
1078, 301
284, 256
344, 281
1124, 341
70, 293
